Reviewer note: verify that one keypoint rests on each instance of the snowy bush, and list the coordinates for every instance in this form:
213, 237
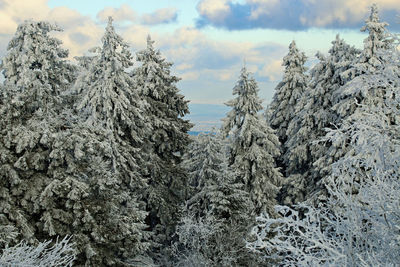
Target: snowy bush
60, 254
358, 222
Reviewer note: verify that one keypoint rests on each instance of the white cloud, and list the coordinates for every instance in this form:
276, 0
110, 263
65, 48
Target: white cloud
272, 69
288, 14
190, 76
123, 13
216, 10
160, 16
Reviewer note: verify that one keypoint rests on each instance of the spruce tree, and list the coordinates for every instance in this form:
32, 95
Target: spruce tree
36, 62
314, 115
288, 93
168, 140
109, 101
215, 189
254, 145
36, 72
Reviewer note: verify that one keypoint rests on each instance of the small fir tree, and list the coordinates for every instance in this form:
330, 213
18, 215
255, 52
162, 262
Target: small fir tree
219, 209
254, 145
288, 93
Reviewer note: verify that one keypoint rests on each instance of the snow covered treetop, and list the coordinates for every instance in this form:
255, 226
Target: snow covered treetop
377, 38
295, 58
34, 56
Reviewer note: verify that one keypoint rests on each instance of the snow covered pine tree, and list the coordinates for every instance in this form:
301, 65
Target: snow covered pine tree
313, 116
168, 137
109, 101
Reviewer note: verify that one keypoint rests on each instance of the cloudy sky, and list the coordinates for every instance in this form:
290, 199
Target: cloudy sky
207, 40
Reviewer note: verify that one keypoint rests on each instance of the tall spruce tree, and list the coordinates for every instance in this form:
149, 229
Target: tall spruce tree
108, 100
314, 115
168, 137
35, 73
288, 93
254, 145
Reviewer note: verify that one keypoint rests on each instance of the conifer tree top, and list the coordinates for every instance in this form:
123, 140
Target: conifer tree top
32, 50
289, 91
377, 38
294, 59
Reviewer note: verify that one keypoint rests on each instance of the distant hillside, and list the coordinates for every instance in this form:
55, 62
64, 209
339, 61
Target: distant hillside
206, 116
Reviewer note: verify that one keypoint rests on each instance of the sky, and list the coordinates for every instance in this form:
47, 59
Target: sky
207, 40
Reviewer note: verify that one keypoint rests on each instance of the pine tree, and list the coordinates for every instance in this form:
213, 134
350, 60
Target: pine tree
288, 93
314, 115
168, 139
254, 145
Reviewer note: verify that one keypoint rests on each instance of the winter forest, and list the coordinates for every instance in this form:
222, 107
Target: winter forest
97, 167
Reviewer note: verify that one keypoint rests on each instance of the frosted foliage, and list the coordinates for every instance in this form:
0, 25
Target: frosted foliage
358, 225
168, 139
194, 237
313, 115
254, 145
377, 89
288, 92
166, 105
208, 241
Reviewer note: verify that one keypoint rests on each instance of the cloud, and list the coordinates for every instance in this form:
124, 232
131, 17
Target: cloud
13, 12
123, 13
215, 10
160, 16
273, 70
292, 14
209, 68
79, 32
190, 76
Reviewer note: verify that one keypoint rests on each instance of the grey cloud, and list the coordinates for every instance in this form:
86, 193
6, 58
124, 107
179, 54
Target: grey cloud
294, 15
